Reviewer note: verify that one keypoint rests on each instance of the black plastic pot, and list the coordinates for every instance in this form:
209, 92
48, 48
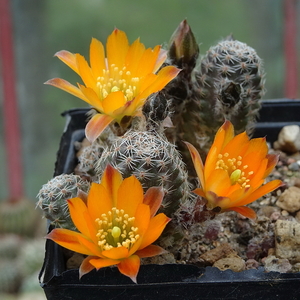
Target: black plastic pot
166, 281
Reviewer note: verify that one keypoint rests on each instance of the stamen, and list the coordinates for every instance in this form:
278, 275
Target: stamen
116, 230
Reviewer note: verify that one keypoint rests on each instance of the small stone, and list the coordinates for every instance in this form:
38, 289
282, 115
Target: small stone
252, 264
297, 217
294, 167
211, 256
232, 262
290, 199
274, 264
297, 182
287, 240
267, 211
288, 139
296, 268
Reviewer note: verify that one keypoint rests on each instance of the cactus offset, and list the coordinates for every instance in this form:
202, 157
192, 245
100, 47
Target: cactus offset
87, 159
230, 83
53, 198
153, 160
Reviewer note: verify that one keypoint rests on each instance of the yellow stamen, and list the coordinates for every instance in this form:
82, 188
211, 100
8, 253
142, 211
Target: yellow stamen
116, 230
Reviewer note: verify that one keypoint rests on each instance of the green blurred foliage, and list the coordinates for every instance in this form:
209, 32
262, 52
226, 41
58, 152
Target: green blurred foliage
70, 25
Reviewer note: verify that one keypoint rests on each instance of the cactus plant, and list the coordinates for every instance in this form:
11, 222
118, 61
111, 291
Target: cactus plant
153, 160
230, 83
18, 217
53, 195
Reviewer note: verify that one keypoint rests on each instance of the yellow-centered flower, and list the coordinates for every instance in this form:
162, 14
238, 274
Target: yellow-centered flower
117, 224
116, 86
234, 171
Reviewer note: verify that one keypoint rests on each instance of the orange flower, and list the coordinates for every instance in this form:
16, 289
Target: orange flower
116, 86
234, 171
117, 225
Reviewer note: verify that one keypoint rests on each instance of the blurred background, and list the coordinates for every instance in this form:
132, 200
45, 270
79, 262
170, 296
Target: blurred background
41, 28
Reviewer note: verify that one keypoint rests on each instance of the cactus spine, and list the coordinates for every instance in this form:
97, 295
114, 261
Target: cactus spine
53, 198
230, 83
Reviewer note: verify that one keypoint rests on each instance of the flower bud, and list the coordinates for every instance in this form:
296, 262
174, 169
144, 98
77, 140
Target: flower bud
183, 50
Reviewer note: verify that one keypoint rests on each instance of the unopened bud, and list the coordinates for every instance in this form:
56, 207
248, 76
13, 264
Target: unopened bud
183, 49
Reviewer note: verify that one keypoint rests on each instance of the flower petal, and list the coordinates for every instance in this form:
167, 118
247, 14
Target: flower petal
237, 145
142, 221
245, 211
265, 189
218, 182
154, 197
111, 180
113, 101
198, 164
116, 48
272, 161
81, 218
99, 201
133, 56
130, 267
142, 218
85, 72
116, 253
91, 245
96, 125
97, 58
164, 76
162, 56
92, 97
86, 266
155, 229
67, 87
99, 263
148, 61
68, 58
199, 192
130, 195
68, 239
150, 251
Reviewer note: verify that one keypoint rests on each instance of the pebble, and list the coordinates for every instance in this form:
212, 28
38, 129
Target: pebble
288, 139
297, 182
289, 200
272, 263
294, 167
287, 240
233, 262
252, 264
222, 251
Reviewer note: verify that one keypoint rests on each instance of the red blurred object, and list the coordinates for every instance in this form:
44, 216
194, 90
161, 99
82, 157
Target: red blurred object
12, 139
290, 48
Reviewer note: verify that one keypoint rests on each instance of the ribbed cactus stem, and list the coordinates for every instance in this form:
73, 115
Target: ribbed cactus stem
53, 198
153, 160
